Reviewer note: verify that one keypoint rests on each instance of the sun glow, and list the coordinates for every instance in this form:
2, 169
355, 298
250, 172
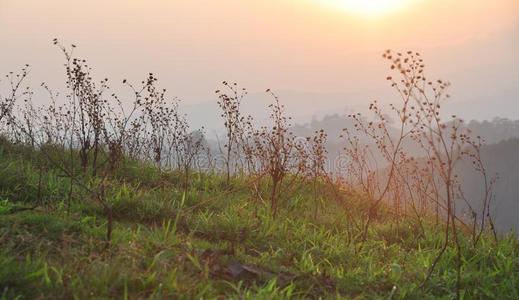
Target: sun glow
368, 7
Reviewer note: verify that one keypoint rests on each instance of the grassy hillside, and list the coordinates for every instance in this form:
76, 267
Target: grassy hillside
213, 241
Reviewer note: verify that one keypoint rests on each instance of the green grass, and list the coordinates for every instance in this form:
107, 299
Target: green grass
214, 242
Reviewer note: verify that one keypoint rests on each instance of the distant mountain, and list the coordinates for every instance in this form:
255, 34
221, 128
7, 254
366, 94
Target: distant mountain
332, 125
302, 107
501, 159
495, 131
500, 154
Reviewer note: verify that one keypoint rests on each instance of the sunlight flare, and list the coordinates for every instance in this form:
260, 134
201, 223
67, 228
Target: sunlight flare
368, 7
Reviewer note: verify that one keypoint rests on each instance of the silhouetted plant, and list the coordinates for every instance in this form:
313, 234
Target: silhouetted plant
7, 102
91, 107
92, 124
484, 218
317, 157
276, 150
229, 102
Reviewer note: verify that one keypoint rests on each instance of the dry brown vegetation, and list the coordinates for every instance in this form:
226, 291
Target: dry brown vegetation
94, 124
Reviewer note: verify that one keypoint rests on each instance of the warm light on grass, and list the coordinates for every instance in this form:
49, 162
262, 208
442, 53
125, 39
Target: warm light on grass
368, 7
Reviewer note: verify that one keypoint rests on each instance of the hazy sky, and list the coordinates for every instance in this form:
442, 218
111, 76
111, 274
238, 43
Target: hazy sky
320, 56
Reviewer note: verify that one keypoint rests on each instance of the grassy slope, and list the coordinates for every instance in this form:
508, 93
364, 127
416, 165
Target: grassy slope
215, 243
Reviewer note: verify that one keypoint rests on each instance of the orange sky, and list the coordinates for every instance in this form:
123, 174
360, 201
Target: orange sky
298, 46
